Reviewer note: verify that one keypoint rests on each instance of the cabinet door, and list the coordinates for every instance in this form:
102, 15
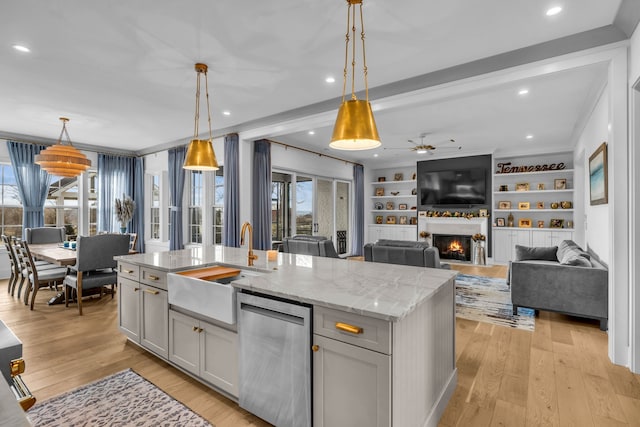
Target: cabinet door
129, 308
558, 236
541, 238
219, 357
154, 327
501, 245
184, 342
351, 385
519, 237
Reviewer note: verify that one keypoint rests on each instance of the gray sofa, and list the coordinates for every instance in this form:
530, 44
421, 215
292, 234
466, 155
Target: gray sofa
405, 252
564, 279
309, 245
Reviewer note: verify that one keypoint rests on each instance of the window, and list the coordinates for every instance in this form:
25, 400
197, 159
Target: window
11, 209
195, 207
61, 206
218, 205
155, 207
93, 203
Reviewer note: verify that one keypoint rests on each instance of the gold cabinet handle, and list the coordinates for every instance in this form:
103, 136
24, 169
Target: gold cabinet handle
200, 330
315, 347
349, 328
128, 271
17, 367
136, 289
149, 291
152, 277
195, 328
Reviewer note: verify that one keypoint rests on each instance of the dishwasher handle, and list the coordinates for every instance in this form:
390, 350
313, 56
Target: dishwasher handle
272, 314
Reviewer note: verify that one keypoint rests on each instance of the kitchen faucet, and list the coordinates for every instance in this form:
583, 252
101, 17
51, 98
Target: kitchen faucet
250, 255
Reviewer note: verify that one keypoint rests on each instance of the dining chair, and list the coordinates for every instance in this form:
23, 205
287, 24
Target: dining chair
18, 251
95, 266
39, 276
15, 268
133, 239
44, 235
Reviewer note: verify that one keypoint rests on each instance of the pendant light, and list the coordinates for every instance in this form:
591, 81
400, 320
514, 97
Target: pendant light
200, 154
62, 160
355, 127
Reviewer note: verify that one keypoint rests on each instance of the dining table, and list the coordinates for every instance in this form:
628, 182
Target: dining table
54, 253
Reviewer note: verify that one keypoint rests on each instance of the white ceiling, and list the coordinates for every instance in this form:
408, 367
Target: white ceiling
123, 71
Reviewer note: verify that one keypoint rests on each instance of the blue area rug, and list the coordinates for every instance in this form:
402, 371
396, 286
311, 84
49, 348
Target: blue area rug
486, 299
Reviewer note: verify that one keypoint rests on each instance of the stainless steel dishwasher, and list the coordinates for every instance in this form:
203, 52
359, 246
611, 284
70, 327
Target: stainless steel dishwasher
275, 360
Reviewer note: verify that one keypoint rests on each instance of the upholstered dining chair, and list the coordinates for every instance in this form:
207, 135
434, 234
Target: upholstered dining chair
133, 239
39, 276
44, 235
22, 253
95, 266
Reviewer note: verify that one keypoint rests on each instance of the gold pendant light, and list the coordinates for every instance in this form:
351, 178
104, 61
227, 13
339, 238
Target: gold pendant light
200, 154
355, 127
63, 160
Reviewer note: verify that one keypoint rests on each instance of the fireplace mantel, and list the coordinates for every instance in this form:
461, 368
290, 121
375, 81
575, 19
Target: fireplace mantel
453, 225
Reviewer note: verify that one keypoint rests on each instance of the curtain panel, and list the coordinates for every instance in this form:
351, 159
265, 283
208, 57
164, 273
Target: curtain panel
137, 223
261, 203
116, 178
32, 182
176, 191
231, 220
357, 239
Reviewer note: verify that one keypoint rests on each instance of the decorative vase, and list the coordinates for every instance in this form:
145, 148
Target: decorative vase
123, 230
510, 220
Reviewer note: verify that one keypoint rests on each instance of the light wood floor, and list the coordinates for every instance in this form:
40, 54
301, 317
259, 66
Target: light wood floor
558, 375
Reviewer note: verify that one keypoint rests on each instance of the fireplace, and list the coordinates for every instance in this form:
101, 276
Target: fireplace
453, 247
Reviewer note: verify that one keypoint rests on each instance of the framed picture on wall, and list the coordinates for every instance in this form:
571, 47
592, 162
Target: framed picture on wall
380, 191
504, 204
391, 219
560, 184
403, 220
598, 194
499, 222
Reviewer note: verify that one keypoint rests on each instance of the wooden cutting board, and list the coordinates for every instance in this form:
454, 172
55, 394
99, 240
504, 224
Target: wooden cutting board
211, 273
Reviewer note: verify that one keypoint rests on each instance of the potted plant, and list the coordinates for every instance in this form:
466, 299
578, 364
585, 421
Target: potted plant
70, 231
124, 211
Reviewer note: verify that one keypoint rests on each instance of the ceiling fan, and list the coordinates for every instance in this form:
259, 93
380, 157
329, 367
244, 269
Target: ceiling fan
423, 148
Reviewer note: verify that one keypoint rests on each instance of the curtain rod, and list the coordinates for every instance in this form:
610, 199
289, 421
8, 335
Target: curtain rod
313, 152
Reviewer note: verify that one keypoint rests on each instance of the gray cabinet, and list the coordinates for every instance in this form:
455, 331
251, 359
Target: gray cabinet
129, 308
154, 310
206, 350
142, 308
549, 238
351, 381
505, 241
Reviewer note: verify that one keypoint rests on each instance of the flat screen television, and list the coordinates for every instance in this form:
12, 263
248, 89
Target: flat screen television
453, 187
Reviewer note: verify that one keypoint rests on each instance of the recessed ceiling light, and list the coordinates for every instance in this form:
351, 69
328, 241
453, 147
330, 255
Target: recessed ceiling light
375, 155
312, 132
21, 48
554, 11
421, 151
330, 80
523, 91
529, 136
226, 113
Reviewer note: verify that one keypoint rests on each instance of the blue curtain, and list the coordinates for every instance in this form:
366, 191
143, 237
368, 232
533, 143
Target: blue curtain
176, 189
231, 221
261, 184
32, 181
115, 180
137, 223
357, 236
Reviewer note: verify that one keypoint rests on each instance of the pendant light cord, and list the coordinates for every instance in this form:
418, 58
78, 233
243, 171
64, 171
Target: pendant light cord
197, 116
206, 85
64, 131
351, 28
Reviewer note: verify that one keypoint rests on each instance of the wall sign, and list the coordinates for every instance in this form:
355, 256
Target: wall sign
507, 168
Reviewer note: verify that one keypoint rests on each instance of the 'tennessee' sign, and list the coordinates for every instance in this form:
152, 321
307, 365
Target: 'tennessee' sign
507, 168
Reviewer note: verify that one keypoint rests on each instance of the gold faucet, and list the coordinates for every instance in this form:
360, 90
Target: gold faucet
250, 255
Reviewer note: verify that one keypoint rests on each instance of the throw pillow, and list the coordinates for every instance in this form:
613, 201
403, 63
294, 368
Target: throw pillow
536, 253
567, 247
575, 260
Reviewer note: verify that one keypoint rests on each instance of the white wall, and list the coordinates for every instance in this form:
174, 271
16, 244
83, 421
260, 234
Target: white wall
596, 217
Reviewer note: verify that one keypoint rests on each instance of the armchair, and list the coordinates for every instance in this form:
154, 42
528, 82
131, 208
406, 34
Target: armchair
95, 266
44, 235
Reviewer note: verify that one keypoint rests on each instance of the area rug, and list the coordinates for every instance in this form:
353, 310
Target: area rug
486, 299
122, 399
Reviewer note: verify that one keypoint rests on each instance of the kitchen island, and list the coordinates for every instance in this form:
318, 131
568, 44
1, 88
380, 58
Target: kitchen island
383, 335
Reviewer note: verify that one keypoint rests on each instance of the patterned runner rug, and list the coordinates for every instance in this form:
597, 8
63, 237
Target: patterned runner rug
486, 299
122, 399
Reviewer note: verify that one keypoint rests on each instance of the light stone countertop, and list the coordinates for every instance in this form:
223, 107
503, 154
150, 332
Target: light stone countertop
383, 291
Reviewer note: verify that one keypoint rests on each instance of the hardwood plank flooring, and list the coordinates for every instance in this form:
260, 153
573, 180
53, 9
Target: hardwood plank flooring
558, 375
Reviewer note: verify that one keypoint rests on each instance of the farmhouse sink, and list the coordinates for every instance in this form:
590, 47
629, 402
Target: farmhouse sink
206, 291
